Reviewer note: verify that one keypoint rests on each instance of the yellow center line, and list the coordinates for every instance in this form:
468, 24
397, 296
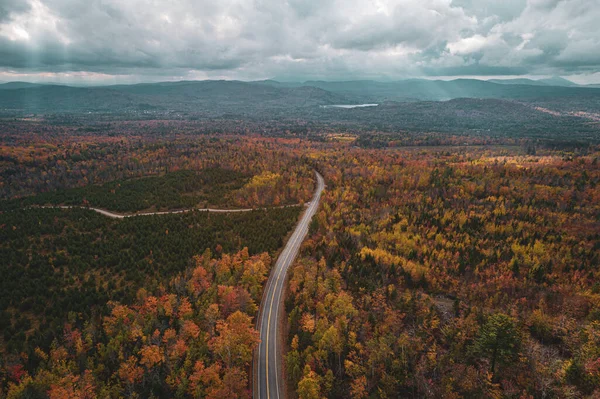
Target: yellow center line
292, 242
269, 318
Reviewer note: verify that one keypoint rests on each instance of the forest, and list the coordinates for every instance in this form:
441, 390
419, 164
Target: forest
455, 266
63, 263
449, 273
464, 106
183, 189
193, 338
67, 266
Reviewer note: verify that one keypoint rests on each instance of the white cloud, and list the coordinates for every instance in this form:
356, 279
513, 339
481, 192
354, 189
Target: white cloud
467, 45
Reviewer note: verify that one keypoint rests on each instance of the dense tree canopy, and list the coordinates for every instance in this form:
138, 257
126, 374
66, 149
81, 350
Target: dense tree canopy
456, 267
187, 341
449, 273
176, 190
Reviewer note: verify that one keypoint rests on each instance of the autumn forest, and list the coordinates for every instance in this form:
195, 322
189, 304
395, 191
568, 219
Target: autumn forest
436, 266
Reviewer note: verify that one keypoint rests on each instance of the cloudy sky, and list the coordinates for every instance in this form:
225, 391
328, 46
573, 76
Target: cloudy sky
109, 41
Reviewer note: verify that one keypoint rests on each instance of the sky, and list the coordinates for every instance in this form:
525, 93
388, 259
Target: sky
130, 41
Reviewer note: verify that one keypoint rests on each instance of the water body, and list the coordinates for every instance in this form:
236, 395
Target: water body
349, 106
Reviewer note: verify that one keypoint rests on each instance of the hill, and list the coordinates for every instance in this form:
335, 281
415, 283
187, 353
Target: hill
530, 82
214, 98
18, 85
465, 115
211, 98
553, 81
558, 81
439, 90
415, 104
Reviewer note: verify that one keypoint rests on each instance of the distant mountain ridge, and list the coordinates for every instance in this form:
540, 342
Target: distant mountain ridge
208, 97
553, 81
523, 81
443, 90
213, 98
20, 85
558, 81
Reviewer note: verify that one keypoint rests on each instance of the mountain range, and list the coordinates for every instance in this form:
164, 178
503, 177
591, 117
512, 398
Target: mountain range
237, 96
458, 105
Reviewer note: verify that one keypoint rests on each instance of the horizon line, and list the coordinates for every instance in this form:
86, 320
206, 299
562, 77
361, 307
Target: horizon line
490, 79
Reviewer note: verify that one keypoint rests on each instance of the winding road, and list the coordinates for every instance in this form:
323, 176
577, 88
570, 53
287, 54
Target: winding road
268, 382
115, 215
268, 375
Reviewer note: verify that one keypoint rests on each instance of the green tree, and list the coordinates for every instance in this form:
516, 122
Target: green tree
498, 340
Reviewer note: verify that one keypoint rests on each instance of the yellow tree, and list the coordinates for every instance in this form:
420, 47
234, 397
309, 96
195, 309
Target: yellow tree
235, 340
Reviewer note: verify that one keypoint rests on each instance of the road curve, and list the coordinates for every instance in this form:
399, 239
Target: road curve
115, 215
268, 378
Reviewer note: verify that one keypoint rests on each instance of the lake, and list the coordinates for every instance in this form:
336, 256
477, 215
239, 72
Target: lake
349, 106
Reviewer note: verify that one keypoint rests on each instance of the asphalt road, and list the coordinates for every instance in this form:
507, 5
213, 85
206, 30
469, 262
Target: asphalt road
268, 381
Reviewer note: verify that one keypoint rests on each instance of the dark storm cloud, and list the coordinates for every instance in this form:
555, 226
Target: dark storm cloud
328, 39
8, 7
